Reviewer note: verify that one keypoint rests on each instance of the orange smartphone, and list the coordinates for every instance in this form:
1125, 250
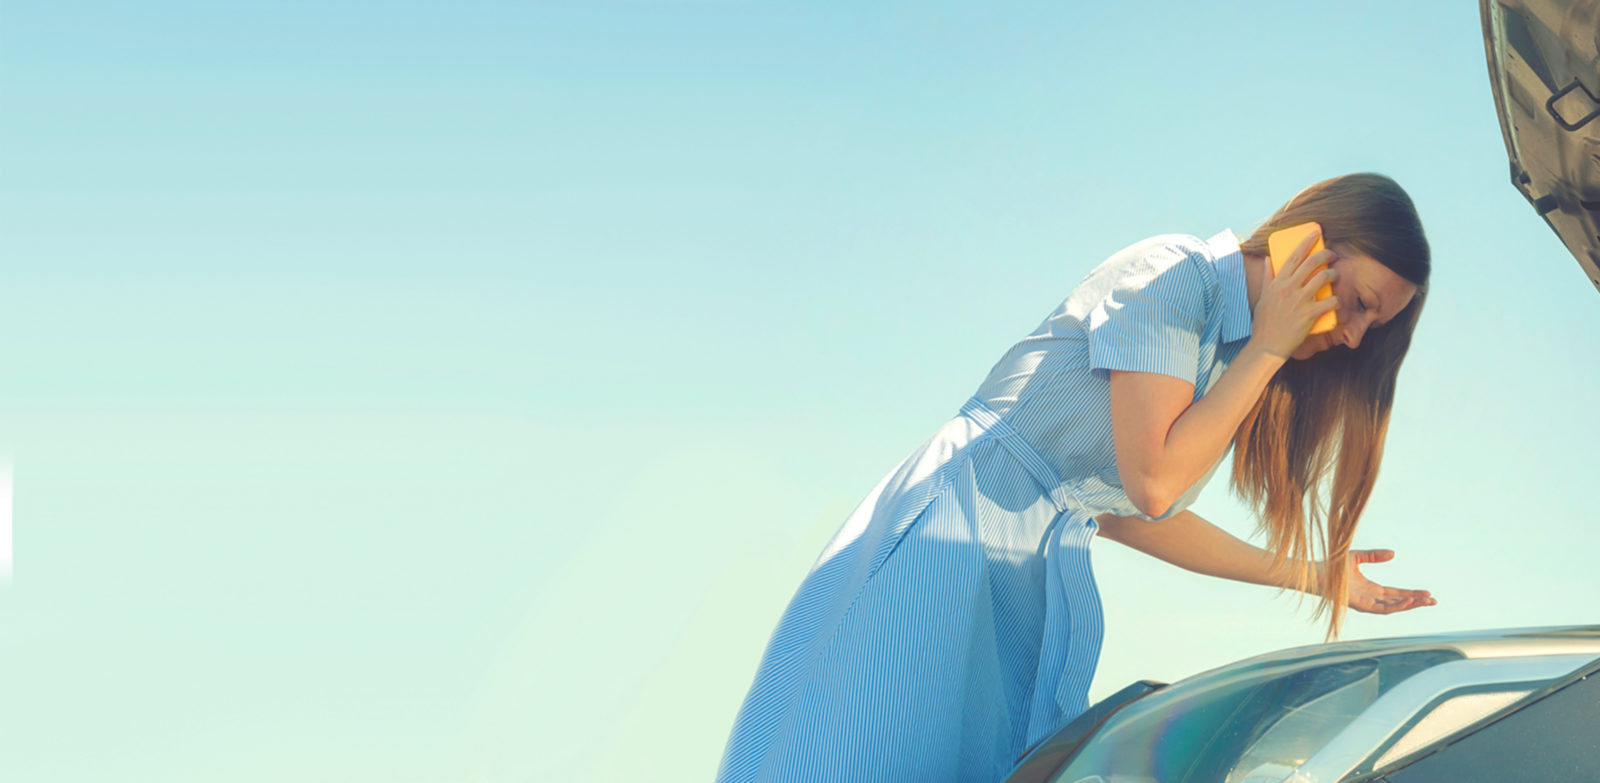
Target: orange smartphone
1280, 244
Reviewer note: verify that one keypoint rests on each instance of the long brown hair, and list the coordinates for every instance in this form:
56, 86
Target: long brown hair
1329, 413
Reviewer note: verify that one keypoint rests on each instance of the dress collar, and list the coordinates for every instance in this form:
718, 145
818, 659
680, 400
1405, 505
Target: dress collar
1229, 260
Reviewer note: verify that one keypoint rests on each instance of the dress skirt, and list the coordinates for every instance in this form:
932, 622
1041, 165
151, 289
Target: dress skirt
950, 624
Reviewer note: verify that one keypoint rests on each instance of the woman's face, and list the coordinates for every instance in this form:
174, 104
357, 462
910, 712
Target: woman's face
1370, 294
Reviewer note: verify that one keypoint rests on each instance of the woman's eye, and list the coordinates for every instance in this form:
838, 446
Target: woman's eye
1363, 304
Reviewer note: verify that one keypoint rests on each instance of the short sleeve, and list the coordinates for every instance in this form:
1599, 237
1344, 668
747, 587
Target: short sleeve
1151, 320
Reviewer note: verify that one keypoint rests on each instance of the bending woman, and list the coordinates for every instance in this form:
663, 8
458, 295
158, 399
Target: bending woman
953, 621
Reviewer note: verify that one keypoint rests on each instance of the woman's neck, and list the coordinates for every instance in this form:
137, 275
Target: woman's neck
1252, 279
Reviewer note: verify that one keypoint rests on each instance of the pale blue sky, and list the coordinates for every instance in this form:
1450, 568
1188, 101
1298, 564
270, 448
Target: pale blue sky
458, 391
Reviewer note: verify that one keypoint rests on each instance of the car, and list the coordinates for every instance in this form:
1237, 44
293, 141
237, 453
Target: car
1470, 707
1516, 704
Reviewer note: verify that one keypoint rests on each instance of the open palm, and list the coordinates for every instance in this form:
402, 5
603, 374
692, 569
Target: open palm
1369, 596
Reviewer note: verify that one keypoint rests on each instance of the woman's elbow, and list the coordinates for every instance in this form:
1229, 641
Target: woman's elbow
1149, 501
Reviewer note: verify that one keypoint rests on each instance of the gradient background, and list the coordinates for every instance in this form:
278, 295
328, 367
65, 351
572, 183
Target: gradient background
426, 391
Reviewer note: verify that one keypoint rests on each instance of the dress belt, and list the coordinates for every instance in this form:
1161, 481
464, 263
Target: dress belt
1021, 449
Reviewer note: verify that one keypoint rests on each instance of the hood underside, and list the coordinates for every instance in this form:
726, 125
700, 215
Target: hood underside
1544, 69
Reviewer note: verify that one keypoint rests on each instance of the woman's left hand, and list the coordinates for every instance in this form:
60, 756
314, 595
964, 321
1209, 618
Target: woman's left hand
1369, 596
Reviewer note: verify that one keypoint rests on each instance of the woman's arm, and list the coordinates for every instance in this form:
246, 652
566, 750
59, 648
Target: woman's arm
1164, 442
1188, 541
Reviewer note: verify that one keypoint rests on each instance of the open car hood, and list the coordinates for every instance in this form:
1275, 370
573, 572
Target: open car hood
1544, 68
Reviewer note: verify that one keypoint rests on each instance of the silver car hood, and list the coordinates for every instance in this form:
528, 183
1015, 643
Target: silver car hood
1319, 713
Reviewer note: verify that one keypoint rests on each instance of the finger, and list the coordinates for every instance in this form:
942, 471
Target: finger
1404, 604
1410, 598
1308, 241
1313, 281
1372, 555
1303, 250
1311, 265
1395, 592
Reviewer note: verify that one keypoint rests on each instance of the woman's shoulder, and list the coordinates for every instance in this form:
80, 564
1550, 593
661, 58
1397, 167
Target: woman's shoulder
1162, 256
1173, 248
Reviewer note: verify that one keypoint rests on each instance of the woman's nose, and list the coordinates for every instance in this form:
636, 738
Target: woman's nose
1350, 335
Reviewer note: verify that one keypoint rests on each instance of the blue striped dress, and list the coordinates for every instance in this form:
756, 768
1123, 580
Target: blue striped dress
953, 621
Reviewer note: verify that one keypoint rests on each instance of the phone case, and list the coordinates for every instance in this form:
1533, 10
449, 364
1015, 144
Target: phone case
1283, 242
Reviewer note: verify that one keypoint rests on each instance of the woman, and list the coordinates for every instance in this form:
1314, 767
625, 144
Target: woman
953, 621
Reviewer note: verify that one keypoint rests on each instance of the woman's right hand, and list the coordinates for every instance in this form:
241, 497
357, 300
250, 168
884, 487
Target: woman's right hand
1288, 306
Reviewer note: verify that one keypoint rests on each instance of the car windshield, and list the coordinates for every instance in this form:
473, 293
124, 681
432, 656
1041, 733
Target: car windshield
1241, 724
